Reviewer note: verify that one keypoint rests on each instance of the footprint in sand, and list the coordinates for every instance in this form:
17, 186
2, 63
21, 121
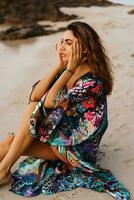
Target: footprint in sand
117, 149
129, 162
106, 145
100, 155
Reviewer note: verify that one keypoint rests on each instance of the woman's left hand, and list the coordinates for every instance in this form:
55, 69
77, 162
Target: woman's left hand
61, 63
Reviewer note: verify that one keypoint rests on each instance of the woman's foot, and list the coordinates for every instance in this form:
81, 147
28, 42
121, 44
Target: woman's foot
5, 175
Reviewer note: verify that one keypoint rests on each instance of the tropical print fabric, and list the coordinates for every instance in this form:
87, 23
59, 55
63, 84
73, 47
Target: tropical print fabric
74, 126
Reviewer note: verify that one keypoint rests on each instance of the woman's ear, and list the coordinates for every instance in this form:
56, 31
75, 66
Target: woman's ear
84, 55
85, 50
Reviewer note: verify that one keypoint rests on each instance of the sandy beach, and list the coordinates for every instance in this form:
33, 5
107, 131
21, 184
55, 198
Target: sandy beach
23, 62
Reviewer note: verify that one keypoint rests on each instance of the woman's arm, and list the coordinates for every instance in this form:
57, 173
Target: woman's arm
60, 83
73, 62
43, 85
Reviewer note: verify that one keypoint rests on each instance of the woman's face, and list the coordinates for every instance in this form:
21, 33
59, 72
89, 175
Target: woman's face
66, 42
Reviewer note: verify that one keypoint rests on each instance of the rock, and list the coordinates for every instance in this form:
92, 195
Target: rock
4, 3
131, 12
27, 12
26, 31
23, 15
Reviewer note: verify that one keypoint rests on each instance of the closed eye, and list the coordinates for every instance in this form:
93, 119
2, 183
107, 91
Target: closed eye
67, 41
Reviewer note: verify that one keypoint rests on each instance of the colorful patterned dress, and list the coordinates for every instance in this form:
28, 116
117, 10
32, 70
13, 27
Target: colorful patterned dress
73, 128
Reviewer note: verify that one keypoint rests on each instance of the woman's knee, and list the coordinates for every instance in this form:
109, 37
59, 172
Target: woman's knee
32, 105
28, 111
32, 100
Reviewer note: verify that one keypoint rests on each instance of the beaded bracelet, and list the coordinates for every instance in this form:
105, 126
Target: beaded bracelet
69, 70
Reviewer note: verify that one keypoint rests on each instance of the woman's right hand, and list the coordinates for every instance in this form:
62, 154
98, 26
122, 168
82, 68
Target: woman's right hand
75, 55
61, 63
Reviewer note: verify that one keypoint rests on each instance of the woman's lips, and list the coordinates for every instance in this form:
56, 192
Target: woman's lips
62, 54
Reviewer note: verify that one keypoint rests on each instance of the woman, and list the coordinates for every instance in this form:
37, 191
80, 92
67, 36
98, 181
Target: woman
63, 124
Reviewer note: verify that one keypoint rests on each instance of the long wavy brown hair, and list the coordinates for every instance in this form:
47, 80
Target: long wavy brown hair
97, 58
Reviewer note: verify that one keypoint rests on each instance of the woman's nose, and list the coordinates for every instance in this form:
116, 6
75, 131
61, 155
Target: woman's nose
62, 46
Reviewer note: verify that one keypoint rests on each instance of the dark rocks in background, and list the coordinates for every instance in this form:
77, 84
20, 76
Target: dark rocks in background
131, 12
4, 3
29, 11
26, 31
23, 15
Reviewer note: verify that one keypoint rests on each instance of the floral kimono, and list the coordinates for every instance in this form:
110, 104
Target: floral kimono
73, 128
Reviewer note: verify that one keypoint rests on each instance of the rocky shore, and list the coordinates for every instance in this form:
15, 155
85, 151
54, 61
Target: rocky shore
22, 17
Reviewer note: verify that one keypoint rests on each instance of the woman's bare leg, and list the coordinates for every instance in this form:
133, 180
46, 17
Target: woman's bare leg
4, 146
21, 142
36, 149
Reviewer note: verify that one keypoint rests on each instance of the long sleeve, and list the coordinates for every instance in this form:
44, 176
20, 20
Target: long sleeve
85, 112
77, 114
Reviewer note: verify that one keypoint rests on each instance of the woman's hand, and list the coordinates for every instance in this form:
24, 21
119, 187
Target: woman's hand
75, 57
61, 63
